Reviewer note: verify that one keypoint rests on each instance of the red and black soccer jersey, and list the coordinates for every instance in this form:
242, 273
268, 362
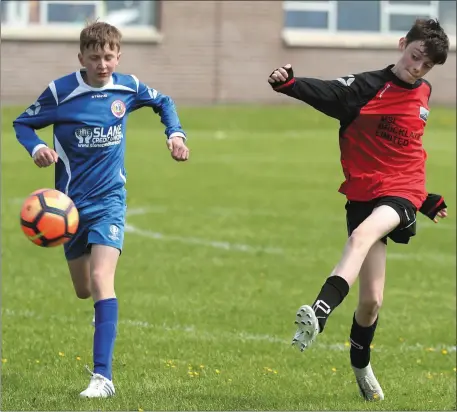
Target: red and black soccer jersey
382, 120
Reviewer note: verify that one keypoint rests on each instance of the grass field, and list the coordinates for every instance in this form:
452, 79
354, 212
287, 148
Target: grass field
219, 254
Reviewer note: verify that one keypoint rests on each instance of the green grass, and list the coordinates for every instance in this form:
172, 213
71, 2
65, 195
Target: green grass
263, 180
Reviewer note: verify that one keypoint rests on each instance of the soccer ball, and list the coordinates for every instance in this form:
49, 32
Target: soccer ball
49, 218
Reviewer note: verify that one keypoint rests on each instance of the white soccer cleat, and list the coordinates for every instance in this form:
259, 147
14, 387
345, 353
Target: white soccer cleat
369, 387
308, 328
99, 387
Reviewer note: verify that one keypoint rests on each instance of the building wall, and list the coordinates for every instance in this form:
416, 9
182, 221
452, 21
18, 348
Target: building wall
223, 54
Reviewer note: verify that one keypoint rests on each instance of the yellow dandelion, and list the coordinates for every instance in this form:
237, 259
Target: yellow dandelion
371, 346
347, 344
275, 372
430, 349
173, 366
454, 369
270, 370
375, 396
78, 358
140, 410
37, 361
230, 380
444, 352
202, 366
218, 371
190, 373
61, 354
401, 339
189, 367
419, 361
333, 369
4, 360
196, 373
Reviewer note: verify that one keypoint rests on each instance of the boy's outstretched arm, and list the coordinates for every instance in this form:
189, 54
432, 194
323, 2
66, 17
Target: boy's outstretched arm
335, 98
165, 107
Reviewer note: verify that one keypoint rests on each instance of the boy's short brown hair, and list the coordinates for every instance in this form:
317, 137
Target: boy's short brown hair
436, 42
98, 34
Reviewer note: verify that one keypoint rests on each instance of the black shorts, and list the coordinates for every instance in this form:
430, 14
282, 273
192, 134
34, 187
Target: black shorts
357, 212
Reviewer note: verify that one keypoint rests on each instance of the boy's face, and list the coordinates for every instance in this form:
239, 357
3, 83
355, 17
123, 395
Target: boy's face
99, 63
414, 64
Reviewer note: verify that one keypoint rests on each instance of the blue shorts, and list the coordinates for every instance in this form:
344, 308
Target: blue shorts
100, 223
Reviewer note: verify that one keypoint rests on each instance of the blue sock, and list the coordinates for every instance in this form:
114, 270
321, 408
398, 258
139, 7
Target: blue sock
105, 335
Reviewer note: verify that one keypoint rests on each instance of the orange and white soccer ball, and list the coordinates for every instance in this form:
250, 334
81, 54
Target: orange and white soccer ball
49, 218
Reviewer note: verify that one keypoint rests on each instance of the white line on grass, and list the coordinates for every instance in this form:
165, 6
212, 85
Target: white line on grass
443, 259
202, 242
221, 336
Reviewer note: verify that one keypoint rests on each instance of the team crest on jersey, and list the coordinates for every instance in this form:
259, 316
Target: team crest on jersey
114, 230
118, 108
423, 113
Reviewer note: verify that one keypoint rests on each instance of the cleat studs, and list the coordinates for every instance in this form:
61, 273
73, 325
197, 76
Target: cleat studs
308, 332
299, 314
308, 315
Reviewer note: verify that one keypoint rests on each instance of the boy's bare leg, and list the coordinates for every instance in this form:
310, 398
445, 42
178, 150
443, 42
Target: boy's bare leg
311, 320
371, 287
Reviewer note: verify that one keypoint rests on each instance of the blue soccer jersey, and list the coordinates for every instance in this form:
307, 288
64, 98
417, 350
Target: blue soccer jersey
89, 130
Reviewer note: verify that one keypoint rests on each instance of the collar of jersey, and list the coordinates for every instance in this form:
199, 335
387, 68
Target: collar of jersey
390, 74
82, 83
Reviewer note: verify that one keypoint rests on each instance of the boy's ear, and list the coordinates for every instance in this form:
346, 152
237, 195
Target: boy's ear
402, 44
80, 58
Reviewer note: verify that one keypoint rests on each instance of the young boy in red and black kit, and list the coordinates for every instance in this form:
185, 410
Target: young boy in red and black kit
382, 118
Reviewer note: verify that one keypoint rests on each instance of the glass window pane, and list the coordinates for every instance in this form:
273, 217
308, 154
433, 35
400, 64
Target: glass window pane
358, 15
3, 10
130, 13
70, 13
402, 22
413, 3
307, 19
447, 15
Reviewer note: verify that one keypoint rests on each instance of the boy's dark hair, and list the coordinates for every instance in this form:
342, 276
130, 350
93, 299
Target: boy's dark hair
436, 42
98, 34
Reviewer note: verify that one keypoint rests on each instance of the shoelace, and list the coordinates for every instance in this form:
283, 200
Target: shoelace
97, 381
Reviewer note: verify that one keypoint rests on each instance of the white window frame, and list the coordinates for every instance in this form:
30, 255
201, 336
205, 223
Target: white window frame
331, 37
99, 8
45, 31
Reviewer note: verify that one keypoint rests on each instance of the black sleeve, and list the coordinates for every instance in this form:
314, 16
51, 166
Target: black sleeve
338, 98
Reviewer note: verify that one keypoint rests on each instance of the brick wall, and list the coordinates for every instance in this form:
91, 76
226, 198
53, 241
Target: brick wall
211, 52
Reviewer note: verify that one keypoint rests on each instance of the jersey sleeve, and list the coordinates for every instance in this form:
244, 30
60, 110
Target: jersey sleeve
40, 114
336, 98
161, 104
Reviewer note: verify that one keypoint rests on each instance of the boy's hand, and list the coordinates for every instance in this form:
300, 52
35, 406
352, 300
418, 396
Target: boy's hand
45, 157
281, 76
441, 214
179, 150
434, 207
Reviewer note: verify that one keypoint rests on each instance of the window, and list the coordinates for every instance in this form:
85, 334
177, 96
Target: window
361, 22
35, 17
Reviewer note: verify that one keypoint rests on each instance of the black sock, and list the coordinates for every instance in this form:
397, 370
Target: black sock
361, 338
331, 295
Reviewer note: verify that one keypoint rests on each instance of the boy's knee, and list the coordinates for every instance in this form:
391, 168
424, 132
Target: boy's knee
360, 240
83, 294
370, 305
